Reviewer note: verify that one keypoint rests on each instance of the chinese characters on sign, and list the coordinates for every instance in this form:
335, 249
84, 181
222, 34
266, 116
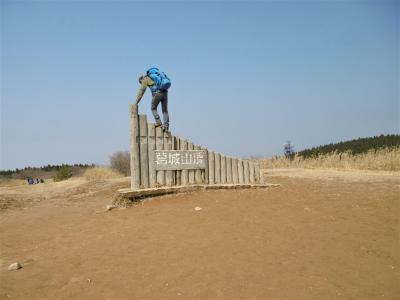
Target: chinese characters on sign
180, 159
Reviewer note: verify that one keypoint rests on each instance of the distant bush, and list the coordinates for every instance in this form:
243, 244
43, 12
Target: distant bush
100, 173
120, 162
63, 173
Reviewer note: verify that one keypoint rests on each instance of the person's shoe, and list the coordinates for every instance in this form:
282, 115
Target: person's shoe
158, 125
166, 131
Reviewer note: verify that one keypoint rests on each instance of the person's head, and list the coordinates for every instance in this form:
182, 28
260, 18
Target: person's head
140, 79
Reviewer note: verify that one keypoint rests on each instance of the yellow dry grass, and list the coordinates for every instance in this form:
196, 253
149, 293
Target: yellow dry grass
11, 182
383, 159
100, 173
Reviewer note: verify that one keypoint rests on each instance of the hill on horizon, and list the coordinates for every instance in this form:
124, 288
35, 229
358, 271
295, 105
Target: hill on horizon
355, 146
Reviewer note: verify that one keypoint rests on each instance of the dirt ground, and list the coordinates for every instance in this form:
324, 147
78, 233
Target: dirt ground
321, 235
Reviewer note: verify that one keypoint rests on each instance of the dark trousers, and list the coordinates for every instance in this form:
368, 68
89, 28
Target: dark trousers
163, 98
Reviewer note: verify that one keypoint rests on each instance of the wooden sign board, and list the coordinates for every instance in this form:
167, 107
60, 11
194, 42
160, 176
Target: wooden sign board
180, 159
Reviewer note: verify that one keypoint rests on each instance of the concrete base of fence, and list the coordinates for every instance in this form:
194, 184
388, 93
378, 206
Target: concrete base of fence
125, 197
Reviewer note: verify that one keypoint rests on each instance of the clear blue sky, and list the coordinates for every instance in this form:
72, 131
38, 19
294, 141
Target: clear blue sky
246, 76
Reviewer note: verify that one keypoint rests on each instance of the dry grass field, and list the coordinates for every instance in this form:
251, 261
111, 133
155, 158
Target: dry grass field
387, 159
323, 234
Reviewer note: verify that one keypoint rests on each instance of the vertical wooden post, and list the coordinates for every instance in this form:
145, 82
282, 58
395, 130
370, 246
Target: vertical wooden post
173, 174
144, 151
184, 173
197, 173
151, 134
211, 168
178, 172
135, 148
217, 168
191, 172
168, 146
160, 146
260, 172
251, 169
205, 172
241, 171
257, 172
229, 170
246, 171
235, 174
223, 169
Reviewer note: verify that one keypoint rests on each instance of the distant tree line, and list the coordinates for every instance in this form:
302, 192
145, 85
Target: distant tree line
357, 146
48, 168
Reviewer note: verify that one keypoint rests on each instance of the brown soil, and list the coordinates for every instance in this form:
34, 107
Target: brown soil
315, 237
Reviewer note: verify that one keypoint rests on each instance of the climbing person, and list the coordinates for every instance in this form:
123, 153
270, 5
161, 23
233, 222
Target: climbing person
159, 83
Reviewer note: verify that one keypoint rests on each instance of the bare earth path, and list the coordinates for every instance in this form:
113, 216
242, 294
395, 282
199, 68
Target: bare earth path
316, 237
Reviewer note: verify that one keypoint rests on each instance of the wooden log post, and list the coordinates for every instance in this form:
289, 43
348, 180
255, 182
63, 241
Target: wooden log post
217, 168
246, 171
211, 167
205, 172
178, 172
235, 174
144, 152
160, 146
229, 170
173, 141
260, 172
184, 173
191, 172
198, 177
252, 172
135, 148
241, 171
151, 144
223, 169
257, 172
168, 146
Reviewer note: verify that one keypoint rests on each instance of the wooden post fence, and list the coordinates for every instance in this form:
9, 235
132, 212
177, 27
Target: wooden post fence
158, 159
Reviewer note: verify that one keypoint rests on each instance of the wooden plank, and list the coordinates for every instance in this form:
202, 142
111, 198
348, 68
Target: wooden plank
235, 174
229, 170
191, 172
223, 169
240, 171
251, 169
168, 146
151, 144
160, 146
184, 173
135, 147
144, 151
211, 167
246, 171
217, 168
